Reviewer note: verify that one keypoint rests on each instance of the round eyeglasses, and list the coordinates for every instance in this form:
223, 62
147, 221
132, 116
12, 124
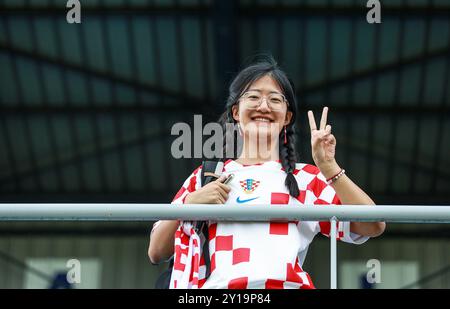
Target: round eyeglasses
253, 99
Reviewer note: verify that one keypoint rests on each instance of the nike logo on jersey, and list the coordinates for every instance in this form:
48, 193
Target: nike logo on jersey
247, 200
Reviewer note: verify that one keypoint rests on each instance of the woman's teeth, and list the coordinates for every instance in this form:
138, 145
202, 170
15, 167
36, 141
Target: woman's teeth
262, 119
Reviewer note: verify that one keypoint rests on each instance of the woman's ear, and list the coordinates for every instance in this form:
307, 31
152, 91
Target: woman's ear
288, 118
235, 112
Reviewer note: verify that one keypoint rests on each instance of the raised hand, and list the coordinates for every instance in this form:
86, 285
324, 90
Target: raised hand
323, 144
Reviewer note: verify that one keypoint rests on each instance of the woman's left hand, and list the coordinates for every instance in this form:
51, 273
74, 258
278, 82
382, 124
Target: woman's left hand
323, 144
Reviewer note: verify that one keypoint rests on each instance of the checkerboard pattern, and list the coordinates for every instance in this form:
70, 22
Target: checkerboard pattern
249, 185
263, 255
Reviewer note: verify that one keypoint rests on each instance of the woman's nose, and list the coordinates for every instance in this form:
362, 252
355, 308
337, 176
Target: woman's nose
264, 106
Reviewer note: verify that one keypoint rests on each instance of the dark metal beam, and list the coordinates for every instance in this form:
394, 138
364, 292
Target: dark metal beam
405, 110
382, 69
21, 102
6, 257
416, 128
135, 84
383, 155
107, 10
374, 102
157, 51
94, 117
291, 11
132, 38
50, 134
163, 134
399, 76
442, 142
79, 157
225, 43
296, 11
108, 46
109, 76
73, 135
350, 89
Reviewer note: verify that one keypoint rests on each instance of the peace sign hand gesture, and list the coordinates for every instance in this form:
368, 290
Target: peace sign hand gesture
323, 145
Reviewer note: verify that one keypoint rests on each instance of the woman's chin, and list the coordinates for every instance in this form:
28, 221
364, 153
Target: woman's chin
260, 131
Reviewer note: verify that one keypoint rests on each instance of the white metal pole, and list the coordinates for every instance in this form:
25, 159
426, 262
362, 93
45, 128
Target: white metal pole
149, 212
333, 254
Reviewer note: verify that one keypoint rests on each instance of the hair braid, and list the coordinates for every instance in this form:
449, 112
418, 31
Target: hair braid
288, 159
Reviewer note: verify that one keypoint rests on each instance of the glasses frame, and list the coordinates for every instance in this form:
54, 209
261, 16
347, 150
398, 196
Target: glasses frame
242, 97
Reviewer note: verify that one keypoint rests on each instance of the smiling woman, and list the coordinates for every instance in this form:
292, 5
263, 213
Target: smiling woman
261, 254
261, 113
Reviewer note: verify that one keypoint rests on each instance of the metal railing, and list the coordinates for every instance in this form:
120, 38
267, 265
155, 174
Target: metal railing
150, 212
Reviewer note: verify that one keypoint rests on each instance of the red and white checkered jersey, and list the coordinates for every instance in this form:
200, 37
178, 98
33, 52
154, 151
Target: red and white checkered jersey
263, 254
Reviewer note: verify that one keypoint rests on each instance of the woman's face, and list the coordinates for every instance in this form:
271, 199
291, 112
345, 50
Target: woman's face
262, 121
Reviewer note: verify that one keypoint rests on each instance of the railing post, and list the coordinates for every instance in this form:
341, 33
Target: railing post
333, 254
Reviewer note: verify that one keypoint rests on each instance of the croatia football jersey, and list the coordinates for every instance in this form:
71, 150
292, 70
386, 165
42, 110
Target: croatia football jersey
265, 254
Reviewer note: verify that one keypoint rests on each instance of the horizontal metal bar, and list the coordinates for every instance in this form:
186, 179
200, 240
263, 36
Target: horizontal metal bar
291, 11
344, 11
37, 108
141, 10
351, 77
150, 212
189, 100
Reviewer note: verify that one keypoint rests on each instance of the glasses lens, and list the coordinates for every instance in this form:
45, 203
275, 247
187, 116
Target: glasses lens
276, 101
253, 100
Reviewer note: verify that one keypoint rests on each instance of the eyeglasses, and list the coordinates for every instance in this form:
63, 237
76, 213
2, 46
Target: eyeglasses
253, 99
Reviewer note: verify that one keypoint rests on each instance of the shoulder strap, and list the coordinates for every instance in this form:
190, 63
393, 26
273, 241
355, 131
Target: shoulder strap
209, 167
202, 226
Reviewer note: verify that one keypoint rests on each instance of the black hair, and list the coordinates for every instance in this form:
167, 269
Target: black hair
263, 66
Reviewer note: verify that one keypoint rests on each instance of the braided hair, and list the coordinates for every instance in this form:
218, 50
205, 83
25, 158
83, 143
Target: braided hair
263, 66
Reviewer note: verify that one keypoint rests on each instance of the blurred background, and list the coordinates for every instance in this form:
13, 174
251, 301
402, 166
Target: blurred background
86, 112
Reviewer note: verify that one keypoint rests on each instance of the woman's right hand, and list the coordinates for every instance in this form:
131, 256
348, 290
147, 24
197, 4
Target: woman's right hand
215, 192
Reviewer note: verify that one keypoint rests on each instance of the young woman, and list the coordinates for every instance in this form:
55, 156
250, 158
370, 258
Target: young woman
263, 254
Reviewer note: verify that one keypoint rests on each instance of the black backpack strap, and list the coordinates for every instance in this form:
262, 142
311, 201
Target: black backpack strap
207, 167
205, 251
202, 226
163, 280
210, 167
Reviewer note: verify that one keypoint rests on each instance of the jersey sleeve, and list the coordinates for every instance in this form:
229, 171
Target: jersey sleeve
326, 195
191, 184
